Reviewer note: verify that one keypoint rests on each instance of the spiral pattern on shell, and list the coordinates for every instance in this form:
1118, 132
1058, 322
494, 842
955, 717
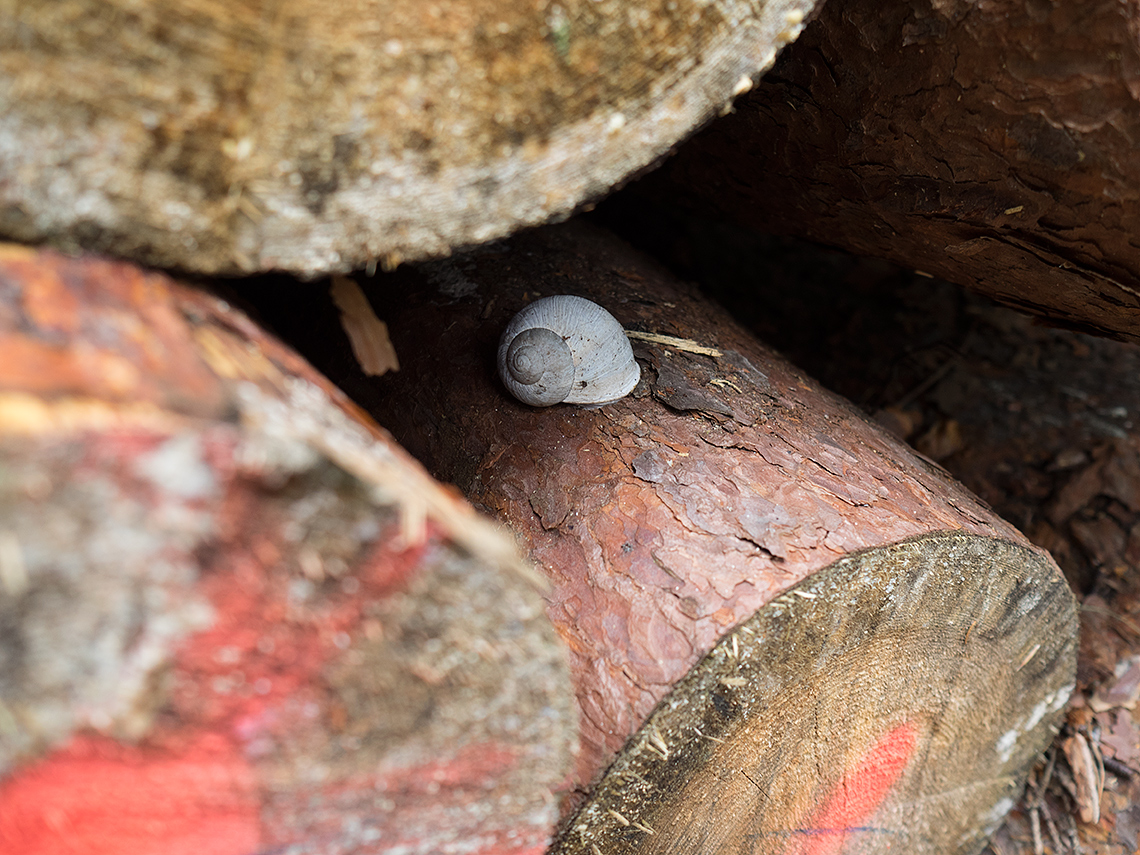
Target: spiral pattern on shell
566, 349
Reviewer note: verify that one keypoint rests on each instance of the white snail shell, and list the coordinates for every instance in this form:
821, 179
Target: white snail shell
566, 349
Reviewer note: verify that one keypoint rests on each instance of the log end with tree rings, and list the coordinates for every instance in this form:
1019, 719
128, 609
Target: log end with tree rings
838, 716
326, 135
788, 633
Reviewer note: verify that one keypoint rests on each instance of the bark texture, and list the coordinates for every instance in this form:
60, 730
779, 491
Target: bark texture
893, 700
992, 143
316, 136
234, 615
665, 519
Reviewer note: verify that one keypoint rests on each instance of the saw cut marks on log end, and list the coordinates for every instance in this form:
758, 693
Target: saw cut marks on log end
340, 134
828, 717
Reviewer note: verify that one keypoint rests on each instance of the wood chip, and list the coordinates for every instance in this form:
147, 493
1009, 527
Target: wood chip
1124, 691
367, 333
1088, 775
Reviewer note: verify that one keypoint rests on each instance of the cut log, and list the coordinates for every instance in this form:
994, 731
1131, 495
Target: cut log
992, 144
234, 615
788, 632
314, 136
1038, 422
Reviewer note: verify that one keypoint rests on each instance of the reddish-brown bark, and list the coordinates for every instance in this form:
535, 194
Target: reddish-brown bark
990, 143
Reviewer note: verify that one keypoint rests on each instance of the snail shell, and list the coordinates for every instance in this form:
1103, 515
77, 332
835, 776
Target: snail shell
566, 349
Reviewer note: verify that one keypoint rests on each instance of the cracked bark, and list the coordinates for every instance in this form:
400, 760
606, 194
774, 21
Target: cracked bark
859, 609
989, 143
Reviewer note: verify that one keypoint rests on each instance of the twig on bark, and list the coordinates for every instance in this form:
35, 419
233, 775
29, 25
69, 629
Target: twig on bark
1036, 802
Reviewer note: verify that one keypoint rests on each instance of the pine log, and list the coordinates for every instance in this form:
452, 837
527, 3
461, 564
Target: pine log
1041, 424
234, 615
989, 143
788, 632
314, 136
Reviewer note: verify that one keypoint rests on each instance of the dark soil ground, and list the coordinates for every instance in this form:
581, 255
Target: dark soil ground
1042, 423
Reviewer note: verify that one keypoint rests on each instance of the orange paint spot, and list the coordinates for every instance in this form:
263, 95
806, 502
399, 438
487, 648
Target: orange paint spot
851, 802
97, 797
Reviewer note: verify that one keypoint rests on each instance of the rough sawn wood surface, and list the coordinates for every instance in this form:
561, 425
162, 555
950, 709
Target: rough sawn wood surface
311, 136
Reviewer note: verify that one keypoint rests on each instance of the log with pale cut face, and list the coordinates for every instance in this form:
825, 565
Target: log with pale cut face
788, 632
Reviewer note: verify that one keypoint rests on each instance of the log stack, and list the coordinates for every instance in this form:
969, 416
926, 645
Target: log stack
760, 623
785, 629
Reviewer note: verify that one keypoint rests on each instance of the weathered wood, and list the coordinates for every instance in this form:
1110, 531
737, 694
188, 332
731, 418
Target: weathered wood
888, 636
850, 710
989, 143
234, 615
314, 136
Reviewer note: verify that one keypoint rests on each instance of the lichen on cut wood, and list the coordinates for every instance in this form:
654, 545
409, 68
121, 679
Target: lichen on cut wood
94, 597
322, 136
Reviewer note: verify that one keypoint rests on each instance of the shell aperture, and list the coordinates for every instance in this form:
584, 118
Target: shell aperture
534, 347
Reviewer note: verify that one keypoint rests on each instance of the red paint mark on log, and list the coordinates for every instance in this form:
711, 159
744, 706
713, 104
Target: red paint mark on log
475, 767
97, 797
189, 788
859, 793
100, 329
277, 650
